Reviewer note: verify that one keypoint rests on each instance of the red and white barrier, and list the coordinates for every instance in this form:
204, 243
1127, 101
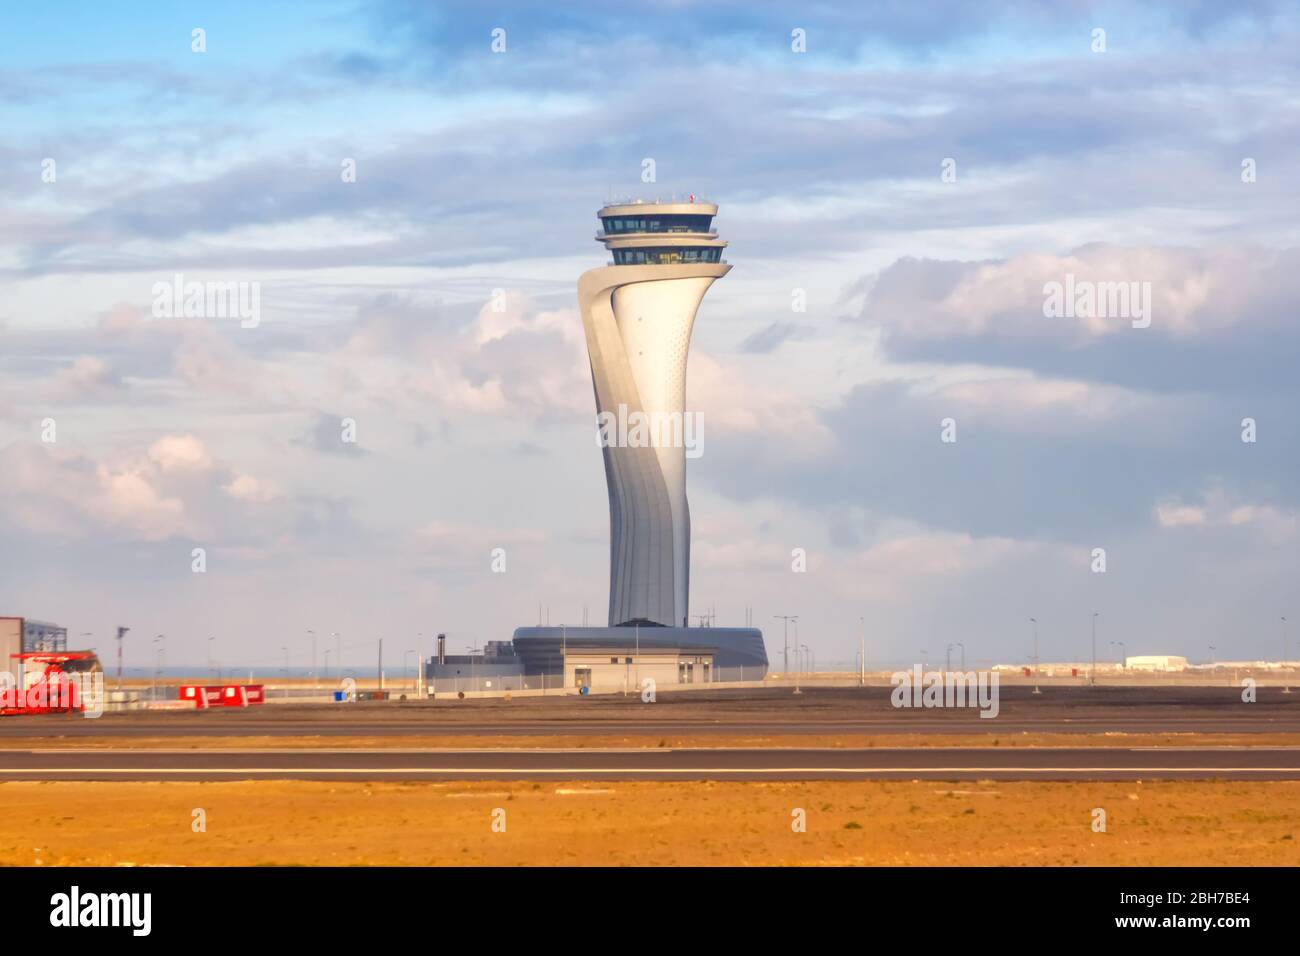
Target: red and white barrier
223, 695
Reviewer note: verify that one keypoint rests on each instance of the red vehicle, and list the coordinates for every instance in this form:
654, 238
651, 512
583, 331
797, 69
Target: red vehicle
57, 690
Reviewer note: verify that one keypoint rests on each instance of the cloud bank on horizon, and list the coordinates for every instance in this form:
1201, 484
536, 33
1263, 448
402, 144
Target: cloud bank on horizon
414, 209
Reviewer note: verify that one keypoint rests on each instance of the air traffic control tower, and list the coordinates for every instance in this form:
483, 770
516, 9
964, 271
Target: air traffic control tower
638, 315
638, 312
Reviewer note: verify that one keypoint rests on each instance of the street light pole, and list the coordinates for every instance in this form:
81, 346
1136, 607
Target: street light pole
315, 675
785, 640
1092, 677
121, 633
862, 657
161, 641
1286, 688
1034, 622
785, 645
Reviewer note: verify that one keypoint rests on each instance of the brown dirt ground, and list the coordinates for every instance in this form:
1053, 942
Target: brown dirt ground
871, 823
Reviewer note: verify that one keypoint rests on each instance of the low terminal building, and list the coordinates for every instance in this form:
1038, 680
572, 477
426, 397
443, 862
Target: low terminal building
44, 636
21, 635
497, 660
676, 655
596, 667
30, 648
602, 658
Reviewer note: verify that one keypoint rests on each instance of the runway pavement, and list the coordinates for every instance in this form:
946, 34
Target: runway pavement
907, 722
171, 726
976, 763
761, 712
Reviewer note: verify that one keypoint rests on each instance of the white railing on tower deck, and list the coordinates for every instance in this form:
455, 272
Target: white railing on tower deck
659, 201
632, 233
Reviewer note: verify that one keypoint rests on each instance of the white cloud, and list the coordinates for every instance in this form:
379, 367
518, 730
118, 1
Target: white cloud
904, 564
69, 496
87, 377
180, 453
1218, 509
129, 499
248, 488
1026, 398
174, 488
1180, 516
776, 420
1194, 293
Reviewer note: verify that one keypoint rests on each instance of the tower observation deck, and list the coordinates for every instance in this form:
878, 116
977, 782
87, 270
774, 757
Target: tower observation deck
640, 233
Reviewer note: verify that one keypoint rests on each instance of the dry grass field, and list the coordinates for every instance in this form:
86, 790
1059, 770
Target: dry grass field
710, 824
895, 822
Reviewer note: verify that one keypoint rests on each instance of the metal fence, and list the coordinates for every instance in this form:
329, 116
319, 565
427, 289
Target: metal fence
491, 683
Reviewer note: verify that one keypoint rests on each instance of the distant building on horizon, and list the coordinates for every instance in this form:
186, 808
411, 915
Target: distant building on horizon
1155, 662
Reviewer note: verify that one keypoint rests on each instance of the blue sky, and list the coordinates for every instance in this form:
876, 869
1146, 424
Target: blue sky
481, 171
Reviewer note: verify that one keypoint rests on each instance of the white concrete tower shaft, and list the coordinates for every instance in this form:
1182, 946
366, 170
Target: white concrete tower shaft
638, 315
